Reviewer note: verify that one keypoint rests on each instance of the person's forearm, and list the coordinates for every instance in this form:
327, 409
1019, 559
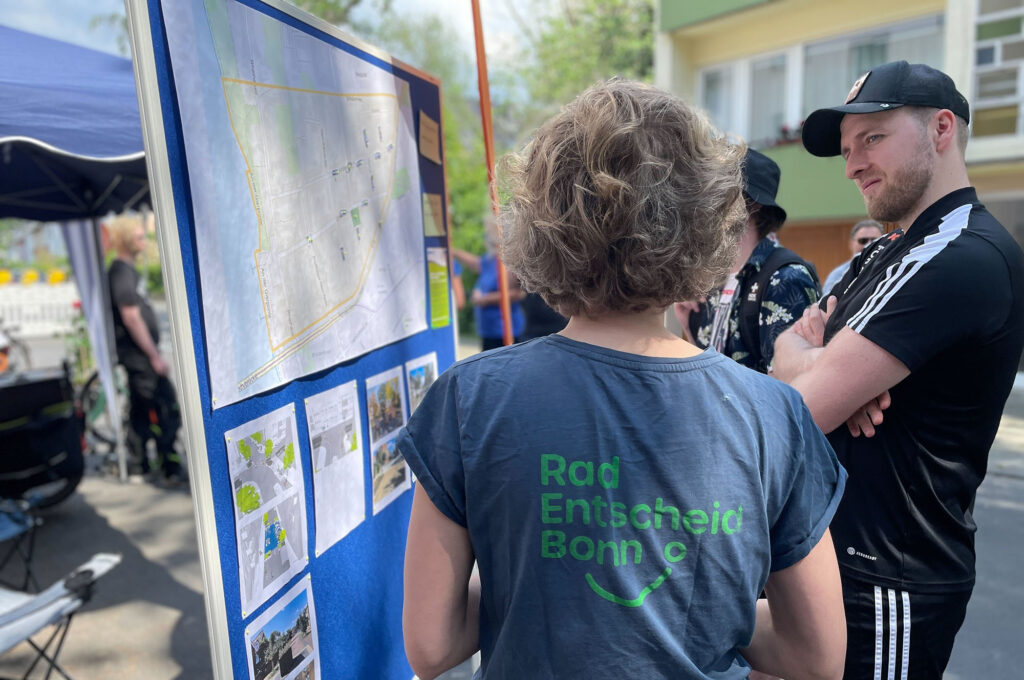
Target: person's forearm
784, 654
467, 259
493, 299
136, 327
462, 635
793, 356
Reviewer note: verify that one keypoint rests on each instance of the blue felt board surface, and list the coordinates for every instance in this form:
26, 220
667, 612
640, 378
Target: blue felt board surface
357, 582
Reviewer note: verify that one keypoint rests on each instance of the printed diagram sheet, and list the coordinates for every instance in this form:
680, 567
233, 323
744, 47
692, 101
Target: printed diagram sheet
335, 440
421, 374
304, 178
270, 508
385, 407
282, 643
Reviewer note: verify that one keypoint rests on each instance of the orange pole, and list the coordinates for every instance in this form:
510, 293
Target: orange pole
488, 129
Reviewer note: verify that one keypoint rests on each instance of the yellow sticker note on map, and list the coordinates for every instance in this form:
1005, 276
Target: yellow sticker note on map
433, 215
430, 140
437, 269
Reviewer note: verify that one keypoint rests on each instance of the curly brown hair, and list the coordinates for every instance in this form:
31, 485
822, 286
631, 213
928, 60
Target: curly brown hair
627, 199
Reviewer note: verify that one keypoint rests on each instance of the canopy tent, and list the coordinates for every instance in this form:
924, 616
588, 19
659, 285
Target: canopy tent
70, 138
71, 151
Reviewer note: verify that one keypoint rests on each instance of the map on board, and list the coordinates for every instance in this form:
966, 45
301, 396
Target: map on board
270, 509
335, 442
304, 179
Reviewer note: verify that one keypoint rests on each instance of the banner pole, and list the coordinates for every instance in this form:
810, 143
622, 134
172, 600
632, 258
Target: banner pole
488, 130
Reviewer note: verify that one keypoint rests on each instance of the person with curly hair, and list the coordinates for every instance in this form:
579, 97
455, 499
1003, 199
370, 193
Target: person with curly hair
625, 495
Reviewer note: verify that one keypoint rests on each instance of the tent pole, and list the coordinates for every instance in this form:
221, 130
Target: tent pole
108, 323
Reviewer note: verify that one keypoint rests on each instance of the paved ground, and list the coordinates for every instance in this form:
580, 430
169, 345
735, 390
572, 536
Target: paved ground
147, 619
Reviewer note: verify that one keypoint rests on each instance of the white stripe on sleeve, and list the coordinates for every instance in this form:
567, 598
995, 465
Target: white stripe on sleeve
897, 275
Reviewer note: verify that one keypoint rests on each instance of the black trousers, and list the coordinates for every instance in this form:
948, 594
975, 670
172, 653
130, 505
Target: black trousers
898, 634
153, 414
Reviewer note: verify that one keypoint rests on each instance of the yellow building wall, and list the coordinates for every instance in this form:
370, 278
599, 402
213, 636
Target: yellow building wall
782, 24
991, 178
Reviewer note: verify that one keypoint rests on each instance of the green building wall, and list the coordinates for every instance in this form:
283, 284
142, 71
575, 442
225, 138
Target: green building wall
814, 188
679, 13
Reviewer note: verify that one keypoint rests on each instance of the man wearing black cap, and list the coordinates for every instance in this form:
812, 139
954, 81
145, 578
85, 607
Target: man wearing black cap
770, 289
929, 323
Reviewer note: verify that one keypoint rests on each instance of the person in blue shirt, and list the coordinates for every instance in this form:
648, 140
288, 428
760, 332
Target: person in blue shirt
486, 298
625, 495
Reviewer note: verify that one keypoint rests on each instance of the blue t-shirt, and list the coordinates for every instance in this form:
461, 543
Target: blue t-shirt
625, 511
488, 319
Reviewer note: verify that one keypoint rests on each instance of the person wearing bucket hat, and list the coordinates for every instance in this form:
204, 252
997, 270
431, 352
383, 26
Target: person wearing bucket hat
771, 285
917, 356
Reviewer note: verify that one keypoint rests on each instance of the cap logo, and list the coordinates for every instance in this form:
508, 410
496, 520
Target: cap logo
855, 90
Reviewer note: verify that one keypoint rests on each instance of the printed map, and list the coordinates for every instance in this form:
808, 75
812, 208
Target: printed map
270, 510
303, 172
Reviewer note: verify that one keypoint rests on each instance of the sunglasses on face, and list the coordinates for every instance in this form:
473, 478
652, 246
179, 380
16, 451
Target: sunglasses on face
864, 240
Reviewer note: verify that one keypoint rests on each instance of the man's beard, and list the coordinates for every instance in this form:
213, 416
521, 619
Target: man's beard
904, 188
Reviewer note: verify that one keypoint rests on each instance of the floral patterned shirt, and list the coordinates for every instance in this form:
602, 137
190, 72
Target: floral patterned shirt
790, 290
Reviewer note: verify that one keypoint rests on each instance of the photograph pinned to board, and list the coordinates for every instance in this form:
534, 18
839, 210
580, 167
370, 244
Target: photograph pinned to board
336, 448
282, 643
270, 508
385, 411
421, 374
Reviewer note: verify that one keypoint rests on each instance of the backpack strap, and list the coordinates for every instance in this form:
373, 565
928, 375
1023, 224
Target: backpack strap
750, 304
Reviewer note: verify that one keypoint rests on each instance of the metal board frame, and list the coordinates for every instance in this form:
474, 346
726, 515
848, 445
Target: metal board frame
172, 206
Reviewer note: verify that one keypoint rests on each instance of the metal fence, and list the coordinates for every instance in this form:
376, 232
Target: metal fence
38, 309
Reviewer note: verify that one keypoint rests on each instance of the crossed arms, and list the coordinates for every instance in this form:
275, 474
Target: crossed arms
846, 381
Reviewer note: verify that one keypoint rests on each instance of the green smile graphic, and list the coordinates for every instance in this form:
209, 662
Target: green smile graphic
636, 601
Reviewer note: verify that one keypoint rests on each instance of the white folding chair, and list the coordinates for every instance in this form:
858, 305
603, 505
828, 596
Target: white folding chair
22, 615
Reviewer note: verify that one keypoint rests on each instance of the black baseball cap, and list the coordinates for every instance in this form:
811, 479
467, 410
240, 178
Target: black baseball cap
761, 180
884, 88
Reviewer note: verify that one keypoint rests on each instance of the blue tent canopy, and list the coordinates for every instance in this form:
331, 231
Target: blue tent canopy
70, 137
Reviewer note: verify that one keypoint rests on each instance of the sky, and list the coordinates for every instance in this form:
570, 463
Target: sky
68, 20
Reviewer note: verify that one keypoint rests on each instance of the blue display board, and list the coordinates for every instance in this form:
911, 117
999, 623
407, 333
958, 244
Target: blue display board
356, 584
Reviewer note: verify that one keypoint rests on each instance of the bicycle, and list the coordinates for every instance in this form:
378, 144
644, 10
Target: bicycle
100, 434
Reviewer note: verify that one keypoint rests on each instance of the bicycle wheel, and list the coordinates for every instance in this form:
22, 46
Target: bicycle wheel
18, 356
98, 427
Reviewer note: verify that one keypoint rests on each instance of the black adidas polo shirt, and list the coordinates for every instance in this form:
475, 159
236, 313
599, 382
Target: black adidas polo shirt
947, 299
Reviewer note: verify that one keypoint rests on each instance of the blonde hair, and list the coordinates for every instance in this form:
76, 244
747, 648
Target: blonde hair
627, 199
121, 231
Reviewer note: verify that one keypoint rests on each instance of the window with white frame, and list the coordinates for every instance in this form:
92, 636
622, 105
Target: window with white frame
716, 95
832, 66
998, 72
767, 100
764, 98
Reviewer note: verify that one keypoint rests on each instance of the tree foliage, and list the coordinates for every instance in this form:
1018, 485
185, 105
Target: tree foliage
586, 41
338, 12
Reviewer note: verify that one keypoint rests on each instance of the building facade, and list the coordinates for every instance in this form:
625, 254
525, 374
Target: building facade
759, 67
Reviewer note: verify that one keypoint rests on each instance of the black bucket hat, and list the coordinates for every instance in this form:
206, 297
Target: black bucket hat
884, 88
761, 181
